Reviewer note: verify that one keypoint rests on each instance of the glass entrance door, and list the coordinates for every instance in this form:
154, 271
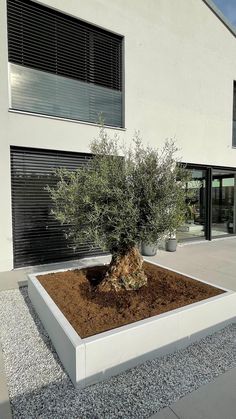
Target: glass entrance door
210, 204
223, 202
195, 215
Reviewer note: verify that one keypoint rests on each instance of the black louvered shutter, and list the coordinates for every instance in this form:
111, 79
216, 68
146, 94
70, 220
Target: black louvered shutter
43, 39
37, 237
31, 36
234, 114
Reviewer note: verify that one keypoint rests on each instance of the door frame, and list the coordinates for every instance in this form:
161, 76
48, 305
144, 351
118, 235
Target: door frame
208, 222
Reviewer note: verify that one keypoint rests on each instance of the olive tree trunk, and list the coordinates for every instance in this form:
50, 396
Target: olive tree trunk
125, 272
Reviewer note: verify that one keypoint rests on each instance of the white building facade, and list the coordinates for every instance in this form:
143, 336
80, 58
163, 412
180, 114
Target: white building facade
166, 68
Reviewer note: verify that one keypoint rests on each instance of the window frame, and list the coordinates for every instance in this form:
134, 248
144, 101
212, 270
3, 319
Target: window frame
122, 75
234, 116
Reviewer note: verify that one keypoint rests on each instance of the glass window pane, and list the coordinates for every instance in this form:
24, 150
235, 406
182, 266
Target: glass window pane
49, 94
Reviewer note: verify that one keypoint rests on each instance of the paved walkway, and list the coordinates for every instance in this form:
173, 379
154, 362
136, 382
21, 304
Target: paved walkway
216, 400
5, 410
214, 262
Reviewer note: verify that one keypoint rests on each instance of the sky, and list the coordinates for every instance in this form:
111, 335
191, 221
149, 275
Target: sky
228, 8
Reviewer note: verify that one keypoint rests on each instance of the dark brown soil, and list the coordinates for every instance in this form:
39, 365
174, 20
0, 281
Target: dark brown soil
90, 311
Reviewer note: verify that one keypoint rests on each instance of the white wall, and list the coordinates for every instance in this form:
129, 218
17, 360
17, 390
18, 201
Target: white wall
180, 63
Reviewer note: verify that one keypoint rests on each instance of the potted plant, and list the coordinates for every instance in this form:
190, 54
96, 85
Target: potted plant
175, 214
149, 249
151, 235
230, 221
171, 242
190, 212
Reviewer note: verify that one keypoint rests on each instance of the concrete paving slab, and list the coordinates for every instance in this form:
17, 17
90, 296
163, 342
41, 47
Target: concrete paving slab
216, 400
12, 279
1, 361
165, 414
5, 410
214, 261
19, 277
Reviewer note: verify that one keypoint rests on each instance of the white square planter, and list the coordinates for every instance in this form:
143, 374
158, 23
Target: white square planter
98, 357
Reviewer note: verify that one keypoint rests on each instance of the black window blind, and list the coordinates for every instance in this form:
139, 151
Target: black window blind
38, 238
44, 39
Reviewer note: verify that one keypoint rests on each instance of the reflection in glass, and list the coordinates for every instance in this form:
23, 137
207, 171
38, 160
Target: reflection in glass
194, 225
49, 94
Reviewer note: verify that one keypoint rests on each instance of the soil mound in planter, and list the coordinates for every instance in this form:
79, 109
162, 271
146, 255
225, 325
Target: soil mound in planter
90, 311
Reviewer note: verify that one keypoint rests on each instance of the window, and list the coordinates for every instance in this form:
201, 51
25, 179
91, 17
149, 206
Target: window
61, 66
37, 237
234, 115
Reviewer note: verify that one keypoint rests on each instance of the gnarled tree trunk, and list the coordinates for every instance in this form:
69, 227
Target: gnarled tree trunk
125, 272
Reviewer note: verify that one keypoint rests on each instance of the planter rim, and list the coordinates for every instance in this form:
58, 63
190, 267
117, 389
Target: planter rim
74, 336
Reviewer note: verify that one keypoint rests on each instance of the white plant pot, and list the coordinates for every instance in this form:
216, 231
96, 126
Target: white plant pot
149, 249
171, 245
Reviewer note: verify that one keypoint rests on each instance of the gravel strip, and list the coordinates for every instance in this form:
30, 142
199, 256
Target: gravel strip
39, 388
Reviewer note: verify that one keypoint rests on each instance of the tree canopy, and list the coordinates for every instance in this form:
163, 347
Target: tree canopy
123, 196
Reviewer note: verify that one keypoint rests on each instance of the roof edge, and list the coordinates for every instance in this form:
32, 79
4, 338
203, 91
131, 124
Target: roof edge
220, 16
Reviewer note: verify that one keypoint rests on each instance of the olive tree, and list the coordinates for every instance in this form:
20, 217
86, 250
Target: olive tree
123, 196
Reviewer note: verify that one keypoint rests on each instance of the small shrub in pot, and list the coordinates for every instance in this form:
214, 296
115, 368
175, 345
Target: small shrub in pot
171, 243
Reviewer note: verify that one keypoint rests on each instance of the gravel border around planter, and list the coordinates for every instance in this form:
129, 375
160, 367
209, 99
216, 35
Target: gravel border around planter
40, 388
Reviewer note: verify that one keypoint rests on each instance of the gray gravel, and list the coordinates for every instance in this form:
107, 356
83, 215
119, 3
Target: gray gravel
40, 388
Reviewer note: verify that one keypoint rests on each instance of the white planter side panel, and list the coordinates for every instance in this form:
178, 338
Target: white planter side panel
129, 346
129, 343
208, 314
67, 343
